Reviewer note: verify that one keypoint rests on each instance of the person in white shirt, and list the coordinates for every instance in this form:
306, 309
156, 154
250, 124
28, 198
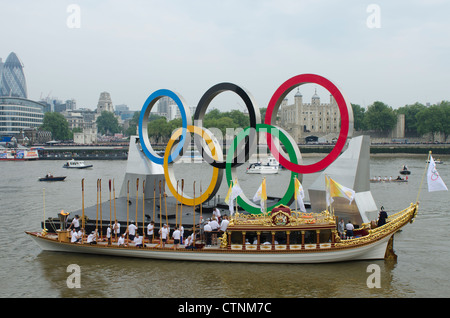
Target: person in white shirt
181, 234
138, 240
176, 237
216, 213
150, 228
80, 236
92, 238
189, 244
108, 234
163, 233
74, 237
131, 231
349, 227
208, 231
121, 240
116, 227
75, 223
214, 225
224, 224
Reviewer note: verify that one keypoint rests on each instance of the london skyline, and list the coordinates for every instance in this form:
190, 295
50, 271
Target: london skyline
132, 49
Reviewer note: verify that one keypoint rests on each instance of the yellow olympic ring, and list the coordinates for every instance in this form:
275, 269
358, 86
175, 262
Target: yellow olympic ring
216, 180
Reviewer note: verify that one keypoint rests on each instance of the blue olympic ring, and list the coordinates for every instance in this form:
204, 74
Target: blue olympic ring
143, 121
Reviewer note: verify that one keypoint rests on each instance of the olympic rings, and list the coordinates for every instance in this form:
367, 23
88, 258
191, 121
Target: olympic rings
345, 110
216, 179
247, 136
143, 120
294, 154
253, 111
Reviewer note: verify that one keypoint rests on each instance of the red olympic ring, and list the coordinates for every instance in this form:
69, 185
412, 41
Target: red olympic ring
344, 109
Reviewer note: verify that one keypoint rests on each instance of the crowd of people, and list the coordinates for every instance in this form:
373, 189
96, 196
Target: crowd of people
207, 231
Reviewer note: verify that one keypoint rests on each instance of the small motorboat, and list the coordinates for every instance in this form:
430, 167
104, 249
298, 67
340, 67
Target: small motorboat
405, 170
76, 164
52, 178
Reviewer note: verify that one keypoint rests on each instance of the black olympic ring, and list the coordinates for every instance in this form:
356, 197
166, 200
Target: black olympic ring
254, 115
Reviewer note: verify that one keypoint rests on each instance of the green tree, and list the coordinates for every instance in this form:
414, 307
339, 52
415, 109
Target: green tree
131, 130
434, 119
57, 125
410, 112
358, 117
159, 129
380, 117
107, 123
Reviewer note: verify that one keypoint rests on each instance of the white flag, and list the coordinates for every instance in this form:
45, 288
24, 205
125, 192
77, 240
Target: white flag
261, 194
299, 195
435, 182
233, 193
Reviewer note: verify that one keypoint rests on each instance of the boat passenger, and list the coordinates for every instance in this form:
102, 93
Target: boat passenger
138, 241
150, 228
163, 233
189, 244
341, 228
216, 214
108, 234
382, 217
116, 227
349, 227
181, 234
131, 231
176, 237
215, 228
92, 238
121, 240
224, 224
208, 231
74, 238
75, 223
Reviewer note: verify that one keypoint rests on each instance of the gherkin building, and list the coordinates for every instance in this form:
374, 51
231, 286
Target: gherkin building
12, 79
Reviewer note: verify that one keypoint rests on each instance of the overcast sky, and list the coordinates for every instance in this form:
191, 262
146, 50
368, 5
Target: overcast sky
132, 48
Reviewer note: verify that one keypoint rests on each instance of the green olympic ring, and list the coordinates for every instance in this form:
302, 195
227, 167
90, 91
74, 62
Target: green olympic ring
291, 149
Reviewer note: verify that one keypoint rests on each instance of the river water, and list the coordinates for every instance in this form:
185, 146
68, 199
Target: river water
421, 269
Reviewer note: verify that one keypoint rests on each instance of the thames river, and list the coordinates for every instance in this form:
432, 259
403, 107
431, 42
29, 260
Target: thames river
421, 270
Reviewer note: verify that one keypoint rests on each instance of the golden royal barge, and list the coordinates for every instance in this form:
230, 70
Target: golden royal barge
281, 236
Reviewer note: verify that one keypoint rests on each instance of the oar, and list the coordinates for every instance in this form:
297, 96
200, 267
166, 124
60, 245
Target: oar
165, 201
176, 208
115, 218
181, 203
110, 212
143, 211
96, 221
194, 216
154, 207
128, 206
101, 217
137, 192
82, 207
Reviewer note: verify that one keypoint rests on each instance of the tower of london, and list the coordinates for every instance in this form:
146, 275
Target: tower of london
303, 120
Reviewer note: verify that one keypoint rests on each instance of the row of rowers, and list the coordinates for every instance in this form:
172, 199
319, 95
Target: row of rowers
208, 230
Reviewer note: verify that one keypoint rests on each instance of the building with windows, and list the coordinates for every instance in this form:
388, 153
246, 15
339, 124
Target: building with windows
303, 120
12, 78
18, 114
105, 103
